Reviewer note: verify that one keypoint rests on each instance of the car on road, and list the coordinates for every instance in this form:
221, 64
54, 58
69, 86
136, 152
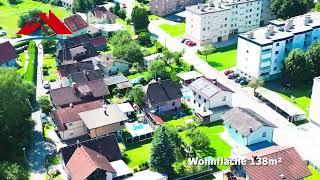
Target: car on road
46, 85
3, 33
233, 75
227, 72
190, 43
44, 118
244, 82
184, 40
239, 79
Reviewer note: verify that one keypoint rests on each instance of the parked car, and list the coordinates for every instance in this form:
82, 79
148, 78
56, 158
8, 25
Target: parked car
233, 75
44, 118
239, 79
123, 5
244, 82
46, 85
227, 72
3, 33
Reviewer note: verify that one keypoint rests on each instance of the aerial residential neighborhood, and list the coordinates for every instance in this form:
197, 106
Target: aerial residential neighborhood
160, 89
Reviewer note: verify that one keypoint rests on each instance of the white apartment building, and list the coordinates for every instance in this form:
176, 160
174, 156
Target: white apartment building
314, 115
262, 51
217, 20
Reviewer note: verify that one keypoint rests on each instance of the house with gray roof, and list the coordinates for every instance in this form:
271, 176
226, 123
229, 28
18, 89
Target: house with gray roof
247, 127
102, 121
210, 99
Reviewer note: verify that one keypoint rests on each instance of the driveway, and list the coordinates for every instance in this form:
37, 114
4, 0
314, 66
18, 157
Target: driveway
39, 148
286, 133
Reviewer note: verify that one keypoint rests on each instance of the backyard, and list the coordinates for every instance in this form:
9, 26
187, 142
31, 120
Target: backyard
138, 153
174, 30
10, 13
221, 148
50, 68
300, 96
222, 58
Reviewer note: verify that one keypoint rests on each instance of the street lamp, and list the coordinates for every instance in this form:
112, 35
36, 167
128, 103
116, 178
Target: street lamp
24, 154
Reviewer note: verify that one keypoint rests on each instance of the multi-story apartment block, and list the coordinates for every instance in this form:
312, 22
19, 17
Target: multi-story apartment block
166, 7
315, 102
217, 20
262, 51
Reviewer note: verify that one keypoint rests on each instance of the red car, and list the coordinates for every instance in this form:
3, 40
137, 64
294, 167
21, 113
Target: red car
227, 72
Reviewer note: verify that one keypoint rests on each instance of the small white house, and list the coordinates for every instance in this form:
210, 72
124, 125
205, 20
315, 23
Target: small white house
247, 127
100, 15
111, 66
210, 99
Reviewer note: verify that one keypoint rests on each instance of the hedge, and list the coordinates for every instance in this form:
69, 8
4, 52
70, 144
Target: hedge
30, 74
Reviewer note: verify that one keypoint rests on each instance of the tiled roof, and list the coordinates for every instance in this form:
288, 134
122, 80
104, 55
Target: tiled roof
7, 52
105, 145
291, 165
67, 69
84, 76
98, 12
99, 41
75, 22
116, 79
71, 114
245, 120
85, 161
163, 91
64, 96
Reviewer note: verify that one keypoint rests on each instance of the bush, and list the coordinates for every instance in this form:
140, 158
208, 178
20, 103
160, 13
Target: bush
143, 166
45, 104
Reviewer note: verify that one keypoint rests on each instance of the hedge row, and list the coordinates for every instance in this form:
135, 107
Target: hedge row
30, 74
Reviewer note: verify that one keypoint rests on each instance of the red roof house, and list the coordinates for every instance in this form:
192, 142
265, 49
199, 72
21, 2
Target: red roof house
8, 54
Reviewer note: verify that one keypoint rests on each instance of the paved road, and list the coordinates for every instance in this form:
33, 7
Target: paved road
39, 147
303, 138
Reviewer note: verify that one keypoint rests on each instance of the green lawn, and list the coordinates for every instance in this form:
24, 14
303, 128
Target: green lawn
315, 174
30, 73
179, 122
128, 27
145, 74
47, 127
174, 30
138, 153
50, 63
223, 58
222, 149
53, 160
9, 14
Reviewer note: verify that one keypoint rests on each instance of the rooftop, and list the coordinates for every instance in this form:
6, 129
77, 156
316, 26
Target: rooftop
10, 52
189, 75
75, 22
279, 30
163, 91
116, 79
291, 166
245, 121
125, 107
103, 116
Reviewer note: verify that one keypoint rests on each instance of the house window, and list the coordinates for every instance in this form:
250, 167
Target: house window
204, 100
264, 134
173, 103
199, 97
277, 44
122, 123
277, 52
194, 93
224, 98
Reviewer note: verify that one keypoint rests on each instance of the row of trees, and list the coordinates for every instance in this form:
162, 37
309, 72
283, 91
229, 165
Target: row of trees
284, 9
302, 66
16, 125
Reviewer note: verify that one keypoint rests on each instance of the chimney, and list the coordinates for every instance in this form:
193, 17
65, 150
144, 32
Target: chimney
78, 143
202, 7
204, 109
250, 35
251, 130
219, 4
105, 111
267, 35
71, 105
282, 176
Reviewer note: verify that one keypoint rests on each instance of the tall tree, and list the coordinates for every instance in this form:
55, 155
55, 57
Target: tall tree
284, 9
199, 140
23, 19
15, 112
162, 151
45, 104
136, 95
313, 60
207, 50
116, 9
130, 52
296, 66
256, 83
157, 68
13, 171
140, 19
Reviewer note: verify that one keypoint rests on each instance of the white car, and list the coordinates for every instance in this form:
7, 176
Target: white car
3, 33
46, 85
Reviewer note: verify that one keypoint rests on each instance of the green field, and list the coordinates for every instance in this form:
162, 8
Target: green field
223, 58
126, 25
222, 149
22, 61
9, 14
315, 174
50, 62
174, 30
138, 153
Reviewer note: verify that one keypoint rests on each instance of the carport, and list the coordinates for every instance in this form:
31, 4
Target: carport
281, 105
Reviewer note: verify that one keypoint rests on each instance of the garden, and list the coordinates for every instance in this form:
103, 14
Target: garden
50, 71
10, 13
222, 58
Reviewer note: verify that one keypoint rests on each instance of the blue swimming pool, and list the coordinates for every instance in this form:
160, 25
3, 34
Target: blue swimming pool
138, 126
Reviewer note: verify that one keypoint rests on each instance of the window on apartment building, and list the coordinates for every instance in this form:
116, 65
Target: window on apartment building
204, 100
194, 93
277, 44
225, 25
277, 52
246, 17
275, 68
247, 51
250, 10
204, 29
264, 134
199, 97
173, 103
122, 123
249, 22
225, 18
224, 98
